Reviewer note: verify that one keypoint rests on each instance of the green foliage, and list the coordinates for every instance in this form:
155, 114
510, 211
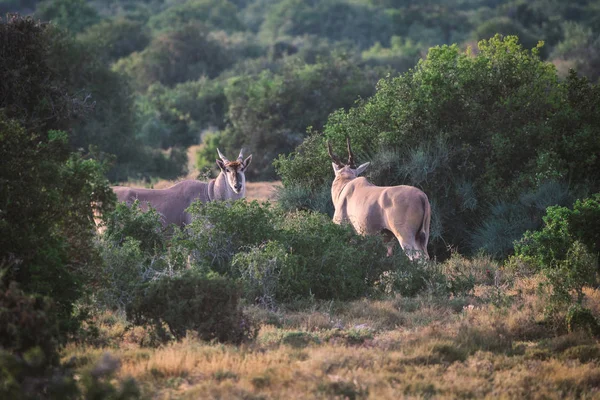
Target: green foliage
579, 49
116, 38
580, 318
134, 250
176, 56
324, 260
46, 227
215, 14
220, 229
281, 257
402, 54
567, 278
308, 166
336, 20
206, 305
27, 322
29, 93
269, 112
73, 15
29, 340
132, 222
562, 227
297, 198
431, 117
176, 116
508, 220
505, 26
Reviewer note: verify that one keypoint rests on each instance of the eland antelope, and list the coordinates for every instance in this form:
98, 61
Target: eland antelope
172, 202
401, 211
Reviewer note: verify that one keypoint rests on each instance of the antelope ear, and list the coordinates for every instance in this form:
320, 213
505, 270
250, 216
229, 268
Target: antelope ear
336, 168
361, 168
221, 165
247, 161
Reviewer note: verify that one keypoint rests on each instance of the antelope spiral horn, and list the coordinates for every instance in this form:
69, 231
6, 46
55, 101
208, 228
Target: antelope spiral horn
335, 158
221, 156
350, 154
241, 156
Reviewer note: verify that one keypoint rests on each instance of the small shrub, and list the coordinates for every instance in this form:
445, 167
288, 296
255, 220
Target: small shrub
584, 353
580, 318
568, 277
219, 230
312, 257
562, 226
26, 322
133, 222
206, 305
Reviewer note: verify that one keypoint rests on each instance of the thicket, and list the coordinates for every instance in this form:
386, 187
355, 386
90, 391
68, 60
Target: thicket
566, 250
155, 53
464, 128
47, 196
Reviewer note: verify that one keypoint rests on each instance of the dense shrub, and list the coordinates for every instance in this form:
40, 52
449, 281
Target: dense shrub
281, 257
27, 322
29, 355
216, 14
401, 55
580, 50
335, 20
134, 250
206, 305
131, 222
313, 257
269, 113
116, 38
177, 116
219, 230
424, 128
562, 227
176, 56
73, 15
46, 227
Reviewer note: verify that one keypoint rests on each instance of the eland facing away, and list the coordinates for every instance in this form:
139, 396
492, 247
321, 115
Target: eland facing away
401, 211
172, 202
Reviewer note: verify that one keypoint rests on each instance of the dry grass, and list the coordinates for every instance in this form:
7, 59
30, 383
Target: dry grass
497, 346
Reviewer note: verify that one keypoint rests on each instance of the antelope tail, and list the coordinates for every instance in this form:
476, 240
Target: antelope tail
423, 234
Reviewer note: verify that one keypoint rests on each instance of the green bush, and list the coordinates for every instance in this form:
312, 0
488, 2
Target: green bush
73, 15
134, 250
424, 128
335, 20
562, 227
176, 116
130, 221
26, 322
175, 56
115, 38
206, 305
216, 14
281, 257
269, 112
221, 229
29, 347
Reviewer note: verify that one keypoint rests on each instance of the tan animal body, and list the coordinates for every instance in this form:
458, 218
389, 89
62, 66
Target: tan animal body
402, 211
172, 202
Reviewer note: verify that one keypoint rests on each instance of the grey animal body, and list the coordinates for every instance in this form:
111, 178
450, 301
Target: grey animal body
401, 211
172, 202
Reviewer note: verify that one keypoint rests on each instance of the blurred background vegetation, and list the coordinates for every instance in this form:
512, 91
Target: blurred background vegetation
166, 74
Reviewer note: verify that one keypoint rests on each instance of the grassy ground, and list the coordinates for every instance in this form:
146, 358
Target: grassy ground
493, 343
